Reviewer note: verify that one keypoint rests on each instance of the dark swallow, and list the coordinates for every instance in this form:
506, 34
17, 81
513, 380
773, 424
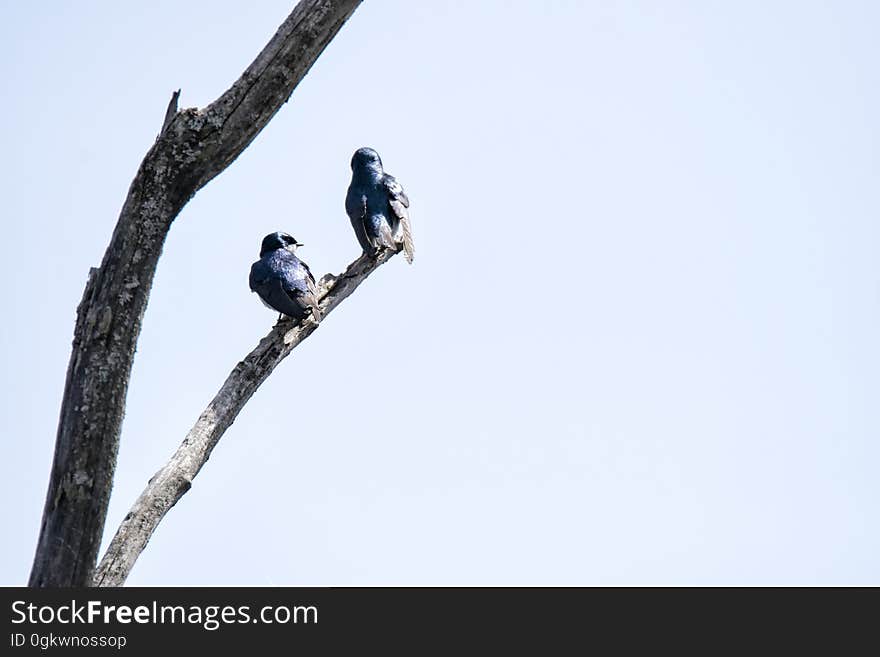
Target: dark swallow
283, 281
377, 206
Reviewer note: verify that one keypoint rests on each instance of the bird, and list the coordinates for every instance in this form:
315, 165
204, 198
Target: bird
284, 282
377, 206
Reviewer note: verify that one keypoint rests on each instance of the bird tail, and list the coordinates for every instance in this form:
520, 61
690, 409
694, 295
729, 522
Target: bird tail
409, 249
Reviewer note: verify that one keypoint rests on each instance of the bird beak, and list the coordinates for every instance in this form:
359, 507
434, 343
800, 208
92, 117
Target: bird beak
298, 244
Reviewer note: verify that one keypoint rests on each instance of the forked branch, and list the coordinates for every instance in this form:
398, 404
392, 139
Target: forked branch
192, 148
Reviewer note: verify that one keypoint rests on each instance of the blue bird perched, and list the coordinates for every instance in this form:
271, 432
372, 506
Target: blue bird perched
377, 206
283, 281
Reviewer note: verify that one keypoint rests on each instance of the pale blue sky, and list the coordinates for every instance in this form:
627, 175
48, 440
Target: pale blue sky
638, 344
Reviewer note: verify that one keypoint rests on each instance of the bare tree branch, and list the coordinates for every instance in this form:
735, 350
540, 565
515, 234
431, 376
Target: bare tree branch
175, 478
193, 147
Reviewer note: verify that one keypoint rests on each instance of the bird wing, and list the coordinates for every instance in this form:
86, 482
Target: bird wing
307, 291
356, 208
259, 275
398, 201
275, 294
395, 189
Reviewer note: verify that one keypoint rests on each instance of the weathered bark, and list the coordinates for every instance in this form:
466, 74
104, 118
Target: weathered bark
193, 147
175, 478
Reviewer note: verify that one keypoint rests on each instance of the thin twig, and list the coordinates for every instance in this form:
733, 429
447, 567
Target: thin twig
170, 112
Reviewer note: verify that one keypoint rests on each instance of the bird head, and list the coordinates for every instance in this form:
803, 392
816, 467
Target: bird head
366, 158
278, 240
